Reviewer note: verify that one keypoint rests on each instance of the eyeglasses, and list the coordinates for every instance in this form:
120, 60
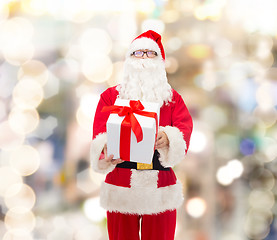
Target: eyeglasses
140, 54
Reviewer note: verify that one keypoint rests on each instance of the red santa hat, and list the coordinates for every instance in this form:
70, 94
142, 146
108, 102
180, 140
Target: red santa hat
148, 40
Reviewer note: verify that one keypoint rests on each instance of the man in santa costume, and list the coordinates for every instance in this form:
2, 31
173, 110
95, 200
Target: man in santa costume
141, 199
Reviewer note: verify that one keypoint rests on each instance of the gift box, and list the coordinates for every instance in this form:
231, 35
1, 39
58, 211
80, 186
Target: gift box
132, 130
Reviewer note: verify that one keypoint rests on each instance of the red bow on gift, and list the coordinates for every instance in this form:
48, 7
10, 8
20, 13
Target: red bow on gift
130, 122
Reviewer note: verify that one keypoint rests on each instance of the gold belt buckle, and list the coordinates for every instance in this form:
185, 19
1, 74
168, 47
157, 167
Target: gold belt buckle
144, 166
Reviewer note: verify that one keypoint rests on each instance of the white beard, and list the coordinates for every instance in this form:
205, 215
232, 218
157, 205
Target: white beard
145, 79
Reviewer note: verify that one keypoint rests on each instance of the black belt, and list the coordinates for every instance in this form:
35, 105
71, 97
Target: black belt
156, 165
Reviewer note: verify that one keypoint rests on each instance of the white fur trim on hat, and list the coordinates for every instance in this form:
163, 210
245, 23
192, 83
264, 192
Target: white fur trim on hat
141, 200
144, 43
172, 155
96, 149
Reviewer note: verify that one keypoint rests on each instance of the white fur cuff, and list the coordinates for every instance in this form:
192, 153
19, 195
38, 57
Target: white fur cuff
96, 149
141, 200
172, 155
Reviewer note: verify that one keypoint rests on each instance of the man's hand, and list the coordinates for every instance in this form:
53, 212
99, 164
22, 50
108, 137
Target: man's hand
162, 140
109, 159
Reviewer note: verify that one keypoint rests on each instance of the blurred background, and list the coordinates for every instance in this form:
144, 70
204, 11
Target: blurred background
57, 56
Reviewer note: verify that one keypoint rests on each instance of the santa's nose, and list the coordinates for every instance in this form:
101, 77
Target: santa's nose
144, 56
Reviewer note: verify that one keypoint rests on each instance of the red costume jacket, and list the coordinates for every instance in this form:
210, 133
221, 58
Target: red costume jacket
143, 191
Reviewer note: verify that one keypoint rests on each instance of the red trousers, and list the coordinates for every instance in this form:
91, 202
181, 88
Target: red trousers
153, 227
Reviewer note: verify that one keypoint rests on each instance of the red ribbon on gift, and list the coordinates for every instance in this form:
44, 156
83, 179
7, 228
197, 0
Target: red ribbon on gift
130, 122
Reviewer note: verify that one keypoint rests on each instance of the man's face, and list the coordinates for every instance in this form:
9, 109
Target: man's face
145, 76
144, 53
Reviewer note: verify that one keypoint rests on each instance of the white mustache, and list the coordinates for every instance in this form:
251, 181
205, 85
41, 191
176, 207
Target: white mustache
143, 64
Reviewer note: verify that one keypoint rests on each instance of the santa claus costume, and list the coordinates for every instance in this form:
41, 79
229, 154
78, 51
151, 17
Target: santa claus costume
141, 203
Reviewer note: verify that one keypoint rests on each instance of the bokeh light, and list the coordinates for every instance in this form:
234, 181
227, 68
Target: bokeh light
20, 219
18, 55
209, 10
231, 236
23, 121
265, 95
61, 229
2, 110
267, 116
45, 129
198, 141
259, 18
34, 69
97, 178
199, 51
247, 146
257, 223
236, 167
66, 69
15, 31
27, 94
117, 75
214, 116
85, 232
224, 176
9, 139
86, 111
262, 179
93, 211
260, 199
226, 145
15, 40
174, 43
227, 174
4, 11
25, 160
18, 235
98, 68
223, 47
8, 178
78, 12
84, 182
145, 6
20, 195
269, 148
154, 24
95, 42
34, 7
170, 16
196, 207
52, 86
171, 65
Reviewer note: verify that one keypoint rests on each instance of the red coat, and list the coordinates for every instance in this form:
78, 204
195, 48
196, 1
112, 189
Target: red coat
143, 191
